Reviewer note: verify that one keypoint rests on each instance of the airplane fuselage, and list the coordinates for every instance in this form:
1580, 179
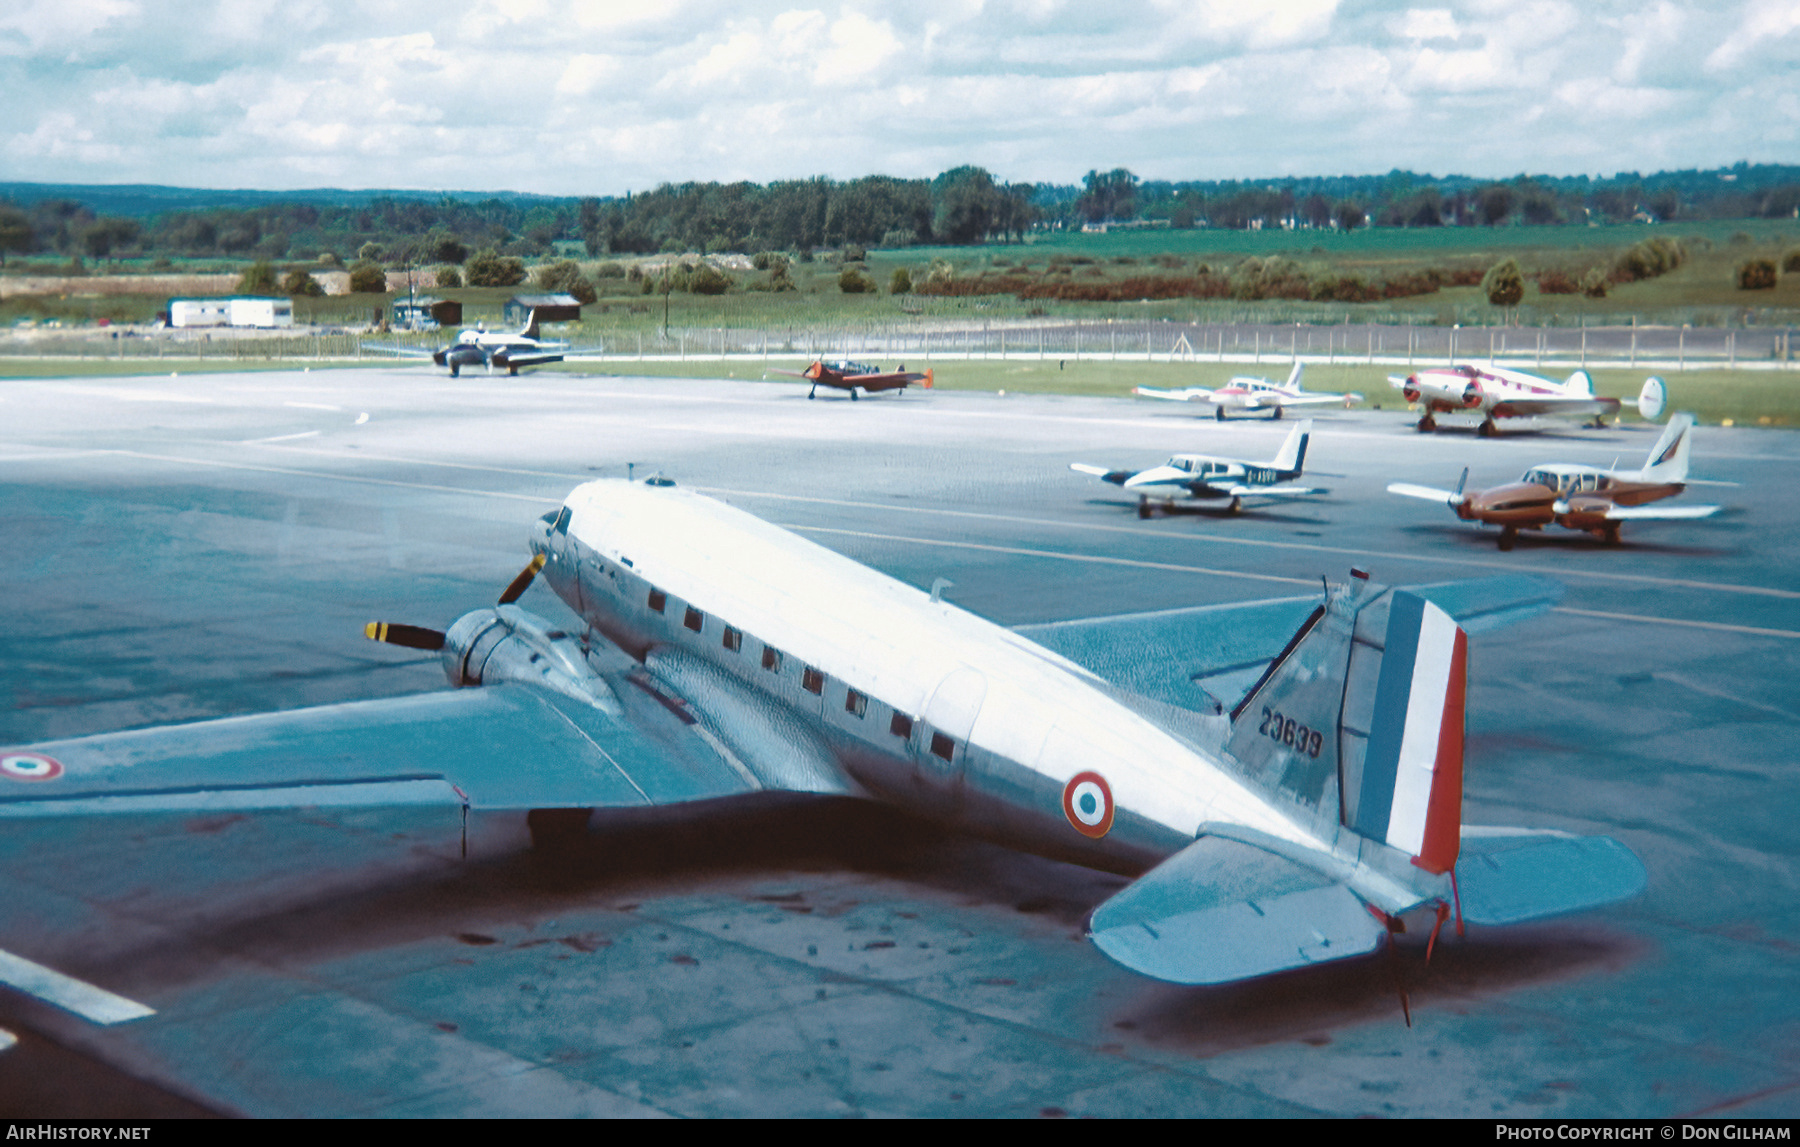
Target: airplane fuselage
883, 688
1576, 497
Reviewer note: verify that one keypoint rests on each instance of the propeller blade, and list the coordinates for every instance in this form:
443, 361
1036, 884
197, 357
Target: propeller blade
523, 582
411, 636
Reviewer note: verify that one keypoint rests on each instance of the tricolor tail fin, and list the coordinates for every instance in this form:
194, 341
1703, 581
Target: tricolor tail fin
1359, 722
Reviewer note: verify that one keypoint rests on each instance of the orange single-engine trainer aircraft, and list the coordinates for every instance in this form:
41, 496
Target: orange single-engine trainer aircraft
1578, 497
842, 374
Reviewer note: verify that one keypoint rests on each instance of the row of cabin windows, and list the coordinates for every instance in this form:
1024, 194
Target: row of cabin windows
812, 680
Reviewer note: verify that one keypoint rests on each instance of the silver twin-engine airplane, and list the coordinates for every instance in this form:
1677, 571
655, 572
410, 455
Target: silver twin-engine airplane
1286, 825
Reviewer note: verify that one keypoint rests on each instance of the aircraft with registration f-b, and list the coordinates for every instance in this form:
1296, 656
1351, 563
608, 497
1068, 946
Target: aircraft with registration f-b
1208, 477
1579, 497
1294, 816
1501, 392
1247, 394
478, 346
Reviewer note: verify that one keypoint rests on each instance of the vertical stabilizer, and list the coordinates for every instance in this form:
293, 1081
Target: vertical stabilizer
1293, 382
1580, 383
1668, 460
531, 325
1292, 456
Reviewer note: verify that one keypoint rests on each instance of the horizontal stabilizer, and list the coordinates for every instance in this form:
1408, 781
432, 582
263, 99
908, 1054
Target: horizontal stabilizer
1220, 910
1482, 605
1506, 879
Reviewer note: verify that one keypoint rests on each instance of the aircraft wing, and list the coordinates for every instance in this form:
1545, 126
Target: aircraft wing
1116, 477
1205, 657
1188, 394
509, 359
1242, 491
1429, 493
396, 349
1286, 400
497, 747
1657, 511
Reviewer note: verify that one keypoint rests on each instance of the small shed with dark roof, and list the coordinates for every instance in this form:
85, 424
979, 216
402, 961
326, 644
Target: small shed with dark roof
549, 308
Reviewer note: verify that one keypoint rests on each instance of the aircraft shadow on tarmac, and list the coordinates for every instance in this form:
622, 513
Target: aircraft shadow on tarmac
637, 856
1561, 541
1264, 513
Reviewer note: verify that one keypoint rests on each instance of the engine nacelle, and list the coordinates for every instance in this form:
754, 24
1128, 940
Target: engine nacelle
505, 644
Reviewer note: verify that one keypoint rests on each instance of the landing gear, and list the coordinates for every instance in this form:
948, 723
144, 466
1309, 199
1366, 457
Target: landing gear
1143, 509
1426, 424
853, 394
1219, 413
813, 393
1236, 507
1486, 429
1278, 414
455, 370
1508, 536
512, 372
1609, 534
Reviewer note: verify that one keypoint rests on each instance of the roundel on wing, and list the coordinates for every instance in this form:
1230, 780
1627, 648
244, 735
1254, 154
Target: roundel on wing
1088, 803
30, 767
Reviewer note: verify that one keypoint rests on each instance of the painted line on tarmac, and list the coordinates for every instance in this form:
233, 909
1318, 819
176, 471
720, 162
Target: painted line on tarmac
1019, 551
1303, 547
310, 406
68, 993
1307, 547
282, 438
1721, 626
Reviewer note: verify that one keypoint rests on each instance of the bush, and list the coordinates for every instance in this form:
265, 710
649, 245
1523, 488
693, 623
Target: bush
368, 252
449, 250
489, 268
330, 259
1791, 260
368, 279
901, 283
566, 277
449, 277
610, 270
1596, 283
855, 253
1557, 283
707, 279
1504, 284
771, 261
940, 276
1648, 259
853, 281
259, 279
300, 284
1756, 275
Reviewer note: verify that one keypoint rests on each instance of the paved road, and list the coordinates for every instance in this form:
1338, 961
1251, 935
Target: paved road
182, 548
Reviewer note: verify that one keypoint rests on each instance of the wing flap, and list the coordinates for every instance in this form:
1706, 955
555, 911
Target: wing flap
504, 747
1221, 910
1506, 876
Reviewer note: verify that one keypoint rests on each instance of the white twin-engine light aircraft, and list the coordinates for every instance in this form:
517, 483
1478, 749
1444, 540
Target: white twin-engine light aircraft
1209, 477
1499, 392
1253, 394
1296, 827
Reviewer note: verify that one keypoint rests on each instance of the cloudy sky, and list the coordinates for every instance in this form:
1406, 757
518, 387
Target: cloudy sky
602, 97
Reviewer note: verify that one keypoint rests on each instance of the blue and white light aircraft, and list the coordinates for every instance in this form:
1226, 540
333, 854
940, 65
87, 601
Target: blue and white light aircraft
1288, 823
1209, 477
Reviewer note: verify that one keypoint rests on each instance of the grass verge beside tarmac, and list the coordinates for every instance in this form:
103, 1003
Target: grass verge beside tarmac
1740, 397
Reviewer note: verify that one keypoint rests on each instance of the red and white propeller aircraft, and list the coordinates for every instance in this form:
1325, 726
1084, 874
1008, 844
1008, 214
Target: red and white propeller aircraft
1250, 395
842, 374
1500, 392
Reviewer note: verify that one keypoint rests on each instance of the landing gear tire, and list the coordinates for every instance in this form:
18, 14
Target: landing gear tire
1486, 429
812, 394
557, 832
1509, 535
1277, 416
1219, 413
1609, 535
1143, 509
1236, 507
512, 372
455, 370
853, 394
1427, 424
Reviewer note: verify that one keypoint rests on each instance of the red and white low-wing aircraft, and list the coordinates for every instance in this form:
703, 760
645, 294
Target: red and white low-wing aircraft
1578, 497
1500, 392
842, 374
1246, 394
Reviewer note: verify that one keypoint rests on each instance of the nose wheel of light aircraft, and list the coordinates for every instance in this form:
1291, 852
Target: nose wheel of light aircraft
1427, 424
1236, 507
1486, 429
1508, 536
812, 393
1219, 413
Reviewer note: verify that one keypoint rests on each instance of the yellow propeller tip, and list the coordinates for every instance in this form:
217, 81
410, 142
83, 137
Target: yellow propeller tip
372, 631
